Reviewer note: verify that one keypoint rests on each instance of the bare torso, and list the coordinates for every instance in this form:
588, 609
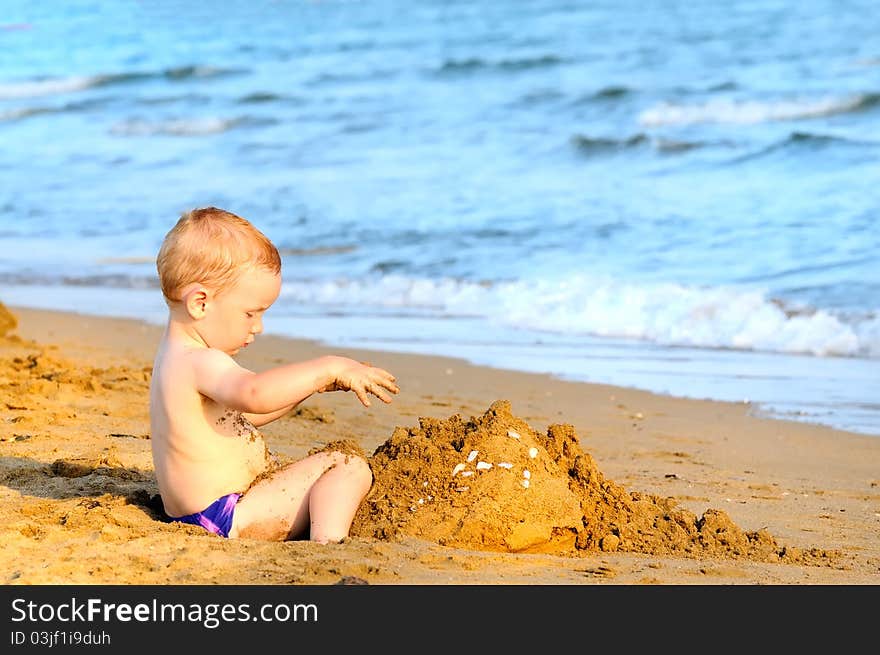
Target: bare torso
201, 450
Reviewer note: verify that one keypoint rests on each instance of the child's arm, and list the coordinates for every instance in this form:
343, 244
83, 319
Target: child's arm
261, 419
221, 378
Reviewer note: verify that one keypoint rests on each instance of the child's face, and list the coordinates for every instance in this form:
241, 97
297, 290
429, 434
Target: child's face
235, 317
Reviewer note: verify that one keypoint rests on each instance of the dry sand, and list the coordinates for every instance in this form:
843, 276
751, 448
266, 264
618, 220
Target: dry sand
555, 482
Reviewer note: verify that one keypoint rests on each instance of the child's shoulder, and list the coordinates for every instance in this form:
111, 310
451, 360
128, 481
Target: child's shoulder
179, 354
207, 362
194, 355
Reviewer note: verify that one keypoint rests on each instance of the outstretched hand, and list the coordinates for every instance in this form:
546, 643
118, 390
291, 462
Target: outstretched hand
363, 379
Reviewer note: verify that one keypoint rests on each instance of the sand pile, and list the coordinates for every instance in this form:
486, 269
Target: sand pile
60, 442
8, 322
494, 483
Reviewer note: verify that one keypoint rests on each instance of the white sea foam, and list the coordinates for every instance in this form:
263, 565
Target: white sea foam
668, 314
177, 127
51, 86
22, 112
747, 112
58, 85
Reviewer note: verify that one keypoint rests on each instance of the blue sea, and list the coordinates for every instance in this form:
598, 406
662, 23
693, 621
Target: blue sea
678, 196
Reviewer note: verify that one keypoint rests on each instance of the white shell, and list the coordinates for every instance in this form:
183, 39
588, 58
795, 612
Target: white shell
505, 465
472, 455
421, 501
533, 452
513, 433
462, 488
525, 484
527, 474
425, 483
458, 468
483, 466
466, 474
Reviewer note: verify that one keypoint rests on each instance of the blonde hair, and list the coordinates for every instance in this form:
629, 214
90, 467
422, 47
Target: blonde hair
213, 247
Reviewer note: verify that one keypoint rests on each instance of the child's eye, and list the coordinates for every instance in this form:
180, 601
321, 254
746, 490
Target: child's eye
249, 314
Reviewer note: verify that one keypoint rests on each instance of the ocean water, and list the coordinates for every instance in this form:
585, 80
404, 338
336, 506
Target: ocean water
676, 196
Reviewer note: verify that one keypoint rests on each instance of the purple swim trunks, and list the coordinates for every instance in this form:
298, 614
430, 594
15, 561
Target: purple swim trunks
216, 518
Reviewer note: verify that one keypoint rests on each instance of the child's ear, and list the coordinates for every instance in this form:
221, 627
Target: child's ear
196, 301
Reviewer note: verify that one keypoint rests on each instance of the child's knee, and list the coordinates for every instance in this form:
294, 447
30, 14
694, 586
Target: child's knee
361, 468
356, 466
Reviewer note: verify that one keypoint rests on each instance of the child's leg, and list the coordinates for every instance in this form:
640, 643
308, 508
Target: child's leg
320, 493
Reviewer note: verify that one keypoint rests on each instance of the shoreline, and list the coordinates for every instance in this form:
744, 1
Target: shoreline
776, 385
808, 485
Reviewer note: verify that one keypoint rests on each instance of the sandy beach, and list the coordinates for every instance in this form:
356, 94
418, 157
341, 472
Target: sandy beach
580, 483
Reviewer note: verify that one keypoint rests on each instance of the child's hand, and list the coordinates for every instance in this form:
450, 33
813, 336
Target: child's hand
363, 379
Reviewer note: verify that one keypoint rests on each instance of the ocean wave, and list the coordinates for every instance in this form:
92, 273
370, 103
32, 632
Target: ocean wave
537, 97
800, 141
616, 92
257, 97
317, 251
100, 280
182, 98
45, 87
815, 139
20, 113
667, 314
23, 112
473, 64
600, 145
611, 92
604, 94
60, 85
752, 112
800, 271
335, 77
729, 85
186, 126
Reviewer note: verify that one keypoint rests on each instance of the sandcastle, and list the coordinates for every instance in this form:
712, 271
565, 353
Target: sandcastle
494, 483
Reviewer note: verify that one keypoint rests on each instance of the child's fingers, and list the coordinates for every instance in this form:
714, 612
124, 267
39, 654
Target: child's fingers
377, 382
387, 384
386, 379
361, 393
383, 373
379, 392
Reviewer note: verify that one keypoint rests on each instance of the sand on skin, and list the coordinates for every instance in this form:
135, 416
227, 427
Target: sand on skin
673, 497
